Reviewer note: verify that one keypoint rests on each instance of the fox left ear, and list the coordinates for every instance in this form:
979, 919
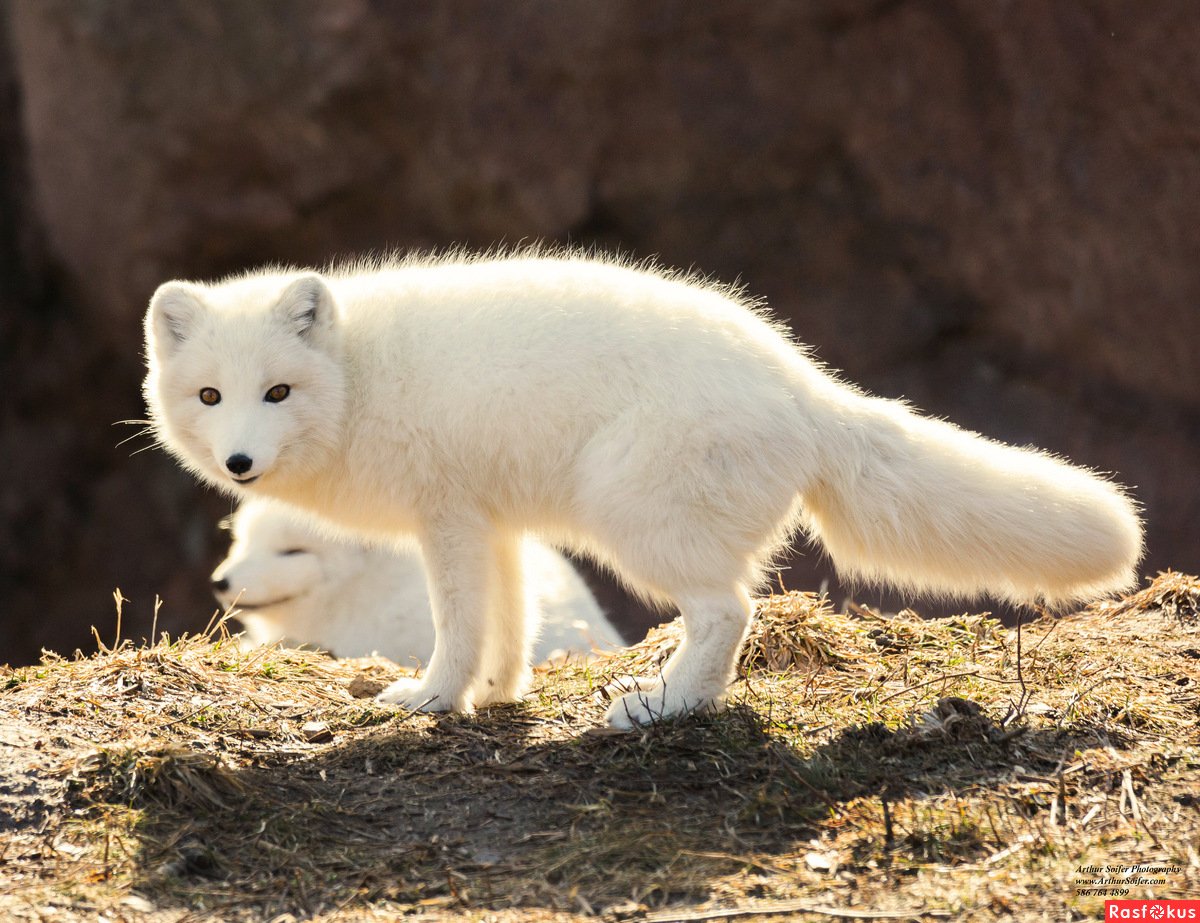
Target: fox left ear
307, 307
174, 312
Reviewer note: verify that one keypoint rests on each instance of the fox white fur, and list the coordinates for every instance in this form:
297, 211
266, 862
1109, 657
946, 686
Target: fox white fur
290, 581
654, 420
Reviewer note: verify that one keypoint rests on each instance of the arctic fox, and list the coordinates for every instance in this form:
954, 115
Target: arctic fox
290, 582
656, 421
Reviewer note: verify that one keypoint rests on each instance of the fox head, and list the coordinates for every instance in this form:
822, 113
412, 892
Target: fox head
277, 557
245, 379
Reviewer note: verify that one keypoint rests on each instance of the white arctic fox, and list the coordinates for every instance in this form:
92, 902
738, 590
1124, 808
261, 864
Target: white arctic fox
655, 421
291, 582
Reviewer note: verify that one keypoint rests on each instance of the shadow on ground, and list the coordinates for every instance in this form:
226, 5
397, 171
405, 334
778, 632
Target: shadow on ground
474, 812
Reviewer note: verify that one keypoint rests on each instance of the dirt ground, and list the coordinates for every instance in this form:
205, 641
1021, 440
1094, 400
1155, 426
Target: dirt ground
868, 767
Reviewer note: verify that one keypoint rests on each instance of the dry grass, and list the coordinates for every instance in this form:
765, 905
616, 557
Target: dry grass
868, 767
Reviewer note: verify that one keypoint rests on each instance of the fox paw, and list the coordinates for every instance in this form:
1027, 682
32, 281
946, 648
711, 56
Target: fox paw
494, 694
623, 684
417, 695
656, 703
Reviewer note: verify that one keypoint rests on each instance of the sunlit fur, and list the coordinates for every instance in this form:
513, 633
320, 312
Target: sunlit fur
291, 582
656, 421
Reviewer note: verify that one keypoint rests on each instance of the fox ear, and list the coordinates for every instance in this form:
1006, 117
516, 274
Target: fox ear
172, 317
307, 307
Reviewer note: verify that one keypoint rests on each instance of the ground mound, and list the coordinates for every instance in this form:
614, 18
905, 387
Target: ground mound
869, 767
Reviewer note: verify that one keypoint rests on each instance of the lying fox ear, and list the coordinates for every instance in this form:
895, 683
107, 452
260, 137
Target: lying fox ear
171, 319
307, 307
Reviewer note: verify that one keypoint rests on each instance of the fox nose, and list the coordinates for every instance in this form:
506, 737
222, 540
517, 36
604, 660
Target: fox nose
239, 464
220, 585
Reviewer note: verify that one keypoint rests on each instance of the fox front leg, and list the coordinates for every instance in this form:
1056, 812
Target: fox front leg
458, 563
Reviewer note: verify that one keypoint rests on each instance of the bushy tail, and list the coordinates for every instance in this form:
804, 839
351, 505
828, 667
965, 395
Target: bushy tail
923, 505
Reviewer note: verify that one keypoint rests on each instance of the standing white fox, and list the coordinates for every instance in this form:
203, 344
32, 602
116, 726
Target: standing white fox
653, 420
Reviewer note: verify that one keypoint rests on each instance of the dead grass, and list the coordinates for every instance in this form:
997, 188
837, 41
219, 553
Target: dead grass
868, 767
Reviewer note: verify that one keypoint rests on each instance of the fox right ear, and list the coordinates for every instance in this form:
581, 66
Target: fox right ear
173, 312
307, 308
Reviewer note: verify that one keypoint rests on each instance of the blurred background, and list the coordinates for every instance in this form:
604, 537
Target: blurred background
986, 208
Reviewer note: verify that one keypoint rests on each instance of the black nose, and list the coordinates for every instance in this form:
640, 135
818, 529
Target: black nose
220, 585
239, 464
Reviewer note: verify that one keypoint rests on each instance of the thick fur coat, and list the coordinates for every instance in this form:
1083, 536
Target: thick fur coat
656, 421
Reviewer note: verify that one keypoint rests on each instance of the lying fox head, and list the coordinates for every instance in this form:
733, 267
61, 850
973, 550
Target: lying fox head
277, 558
245, 379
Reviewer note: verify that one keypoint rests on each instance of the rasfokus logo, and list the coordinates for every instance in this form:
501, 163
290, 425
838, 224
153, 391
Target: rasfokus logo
1154, 911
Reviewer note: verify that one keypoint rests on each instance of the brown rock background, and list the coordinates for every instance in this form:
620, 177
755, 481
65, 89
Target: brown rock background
986, 208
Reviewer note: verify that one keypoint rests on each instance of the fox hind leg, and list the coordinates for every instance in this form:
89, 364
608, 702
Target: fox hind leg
695, 678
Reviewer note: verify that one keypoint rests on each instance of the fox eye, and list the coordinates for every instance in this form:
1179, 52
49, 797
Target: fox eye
292, 551
210, 396
277, 394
